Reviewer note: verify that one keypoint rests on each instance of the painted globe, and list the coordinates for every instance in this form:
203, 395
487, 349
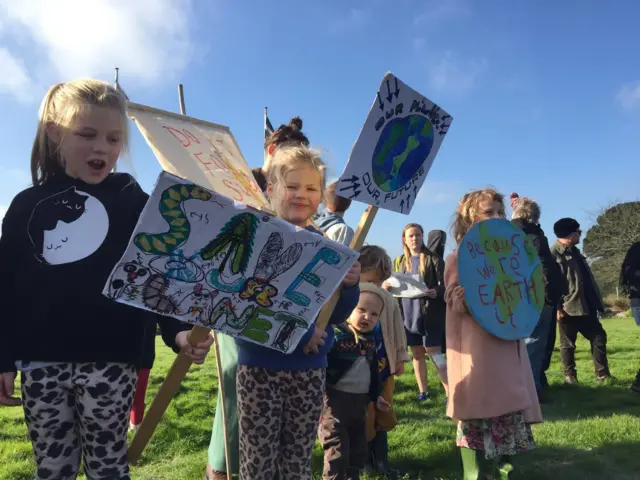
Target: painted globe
402, 148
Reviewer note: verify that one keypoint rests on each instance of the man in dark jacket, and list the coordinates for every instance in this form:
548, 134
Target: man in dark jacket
630, 282
526, 216
580, 303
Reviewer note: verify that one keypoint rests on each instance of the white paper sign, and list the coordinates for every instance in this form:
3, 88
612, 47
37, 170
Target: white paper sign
204, 152
201, 258
406, 285
395, 148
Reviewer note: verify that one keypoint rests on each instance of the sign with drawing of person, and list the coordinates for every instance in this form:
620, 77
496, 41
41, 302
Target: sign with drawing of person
205, 259
395, 149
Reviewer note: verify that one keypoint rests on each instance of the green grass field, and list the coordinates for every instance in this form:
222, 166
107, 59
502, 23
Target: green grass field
590, 432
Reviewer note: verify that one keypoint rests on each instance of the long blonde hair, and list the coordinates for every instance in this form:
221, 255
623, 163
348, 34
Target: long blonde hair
407, 252
60, 107
469, 208
287, 158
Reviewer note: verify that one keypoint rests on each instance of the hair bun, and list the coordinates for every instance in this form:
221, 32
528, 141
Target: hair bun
296, 123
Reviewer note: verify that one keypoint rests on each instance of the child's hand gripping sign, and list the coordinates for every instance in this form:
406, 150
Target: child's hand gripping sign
501, 274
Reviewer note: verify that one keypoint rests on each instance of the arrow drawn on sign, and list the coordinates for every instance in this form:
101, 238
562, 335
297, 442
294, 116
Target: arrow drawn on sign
408, 201
352, 179
402, 206
353, 186
355, 194
397, 92
390, 96
381, 105
415, 192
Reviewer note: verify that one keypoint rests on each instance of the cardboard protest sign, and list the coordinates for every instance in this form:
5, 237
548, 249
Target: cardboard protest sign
204, 152
201, 258
395, 149
501, 273
406, 285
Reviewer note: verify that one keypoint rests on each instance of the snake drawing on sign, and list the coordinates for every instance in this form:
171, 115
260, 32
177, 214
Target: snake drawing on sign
171, 208
271, 263
234, 245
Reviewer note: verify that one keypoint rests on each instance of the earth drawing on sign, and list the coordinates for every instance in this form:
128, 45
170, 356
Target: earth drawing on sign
501, 273
402, 147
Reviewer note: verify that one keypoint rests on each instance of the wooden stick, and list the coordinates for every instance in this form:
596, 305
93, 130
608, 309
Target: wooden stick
165, 394
183, 110
173, 380
356, 243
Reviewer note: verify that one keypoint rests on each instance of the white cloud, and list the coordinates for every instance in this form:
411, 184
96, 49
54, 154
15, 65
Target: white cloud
629, 96
15, 79
434, 192
147, 39
442, 10
353, 19
450, 74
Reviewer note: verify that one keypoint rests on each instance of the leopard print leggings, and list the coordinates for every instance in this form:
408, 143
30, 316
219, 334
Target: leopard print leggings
76, 410
278, 414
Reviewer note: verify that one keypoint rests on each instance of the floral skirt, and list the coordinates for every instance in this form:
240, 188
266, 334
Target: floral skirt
499, 436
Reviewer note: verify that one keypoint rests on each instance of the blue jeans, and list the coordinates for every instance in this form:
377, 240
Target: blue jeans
635, 310
537, 344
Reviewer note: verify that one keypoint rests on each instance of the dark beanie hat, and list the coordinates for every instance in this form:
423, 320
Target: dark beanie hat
565, 227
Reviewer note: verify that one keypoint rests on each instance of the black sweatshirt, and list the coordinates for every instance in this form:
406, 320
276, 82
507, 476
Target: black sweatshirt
60, 241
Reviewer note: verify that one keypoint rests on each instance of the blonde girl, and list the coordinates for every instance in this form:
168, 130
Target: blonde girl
290, 135
77, 350
280, 396
491, 391
423, 316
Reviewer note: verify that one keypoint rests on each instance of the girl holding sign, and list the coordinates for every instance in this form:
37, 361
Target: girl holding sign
424, 316
290, 134
280, 395
78, 351
491, 391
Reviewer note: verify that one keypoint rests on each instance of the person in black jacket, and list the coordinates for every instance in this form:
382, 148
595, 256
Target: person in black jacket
526, 216
78, 351
630, 282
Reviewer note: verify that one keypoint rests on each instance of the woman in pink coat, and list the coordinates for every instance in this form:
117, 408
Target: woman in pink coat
492, 395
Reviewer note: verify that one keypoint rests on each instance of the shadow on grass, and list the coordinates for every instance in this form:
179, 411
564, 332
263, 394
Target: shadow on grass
566, 402
614, 461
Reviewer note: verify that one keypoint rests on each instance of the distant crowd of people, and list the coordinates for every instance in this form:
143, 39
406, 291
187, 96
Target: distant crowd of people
79, 382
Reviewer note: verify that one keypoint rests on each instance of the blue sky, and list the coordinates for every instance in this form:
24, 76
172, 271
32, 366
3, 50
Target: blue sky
545, 95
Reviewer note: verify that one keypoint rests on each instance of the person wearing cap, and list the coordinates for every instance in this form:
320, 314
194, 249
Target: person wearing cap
579, 305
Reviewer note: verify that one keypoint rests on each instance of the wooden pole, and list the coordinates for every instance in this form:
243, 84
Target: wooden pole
356, 243
174, 378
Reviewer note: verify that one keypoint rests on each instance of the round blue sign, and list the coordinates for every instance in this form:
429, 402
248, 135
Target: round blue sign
501, 274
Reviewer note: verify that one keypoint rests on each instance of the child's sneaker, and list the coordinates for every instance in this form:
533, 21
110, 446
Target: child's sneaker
423, 396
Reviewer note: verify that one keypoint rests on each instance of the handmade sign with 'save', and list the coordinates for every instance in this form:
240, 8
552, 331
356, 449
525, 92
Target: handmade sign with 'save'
395, 149
501, 273
204, 259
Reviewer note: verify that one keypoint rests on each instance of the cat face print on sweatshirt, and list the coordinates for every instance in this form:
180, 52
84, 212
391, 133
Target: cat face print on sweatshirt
67, 226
